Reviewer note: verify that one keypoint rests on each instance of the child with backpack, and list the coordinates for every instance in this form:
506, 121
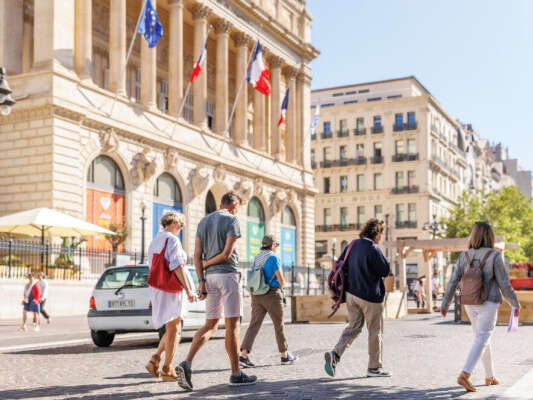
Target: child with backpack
265, 282
483, 278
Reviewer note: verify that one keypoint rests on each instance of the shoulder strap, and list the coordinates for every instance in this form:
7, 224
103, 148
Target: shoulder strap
164, 247
468, 262
484, 260
348, 249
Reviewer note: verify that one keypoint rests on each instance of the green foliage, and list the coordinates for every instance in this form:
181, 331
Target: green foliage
120, 237
509, 212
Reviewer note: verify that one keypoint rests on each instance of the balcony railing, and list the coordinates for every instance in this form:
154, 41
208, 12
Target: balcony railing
343, 133
405, 157
359, 131
343, 162
377, 129
377, 160
326, 135
313, 164
313, 136
397, 127
406, 224
410, 126
337, 227
405, 189
326, 164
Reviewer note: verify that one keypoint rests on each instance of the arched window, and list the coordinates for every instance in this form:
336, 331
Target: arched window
287, 217
256, 211
167, 191
210, 203
105, 174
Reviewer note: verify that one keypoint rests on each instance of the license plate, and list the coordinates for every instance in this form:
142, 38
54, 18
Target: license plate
121, 303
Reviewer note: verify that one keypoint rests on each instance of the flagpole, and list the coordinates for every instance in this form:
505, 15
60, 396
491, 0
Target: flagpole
130, 49
230, 119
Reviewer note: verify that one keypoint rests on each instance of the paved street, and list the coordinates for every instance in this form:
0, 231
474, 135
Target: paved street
425, 354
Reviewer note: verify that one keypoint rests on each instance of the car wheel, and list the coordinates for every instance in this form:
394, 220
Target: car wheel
102, 338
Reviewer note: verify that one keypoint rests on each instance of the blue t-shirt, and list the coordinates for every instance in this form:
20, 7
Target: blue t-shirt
270, 268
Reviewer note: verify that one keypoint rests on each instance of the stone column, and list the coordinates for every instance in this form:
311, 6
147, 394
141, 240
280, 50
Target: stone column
83, 50
27, 40
175, 57
304, 111
117, 47
222, 28
200, 13
275, 101
148, 73
53, 33
11, 35
290, 153
259, 121
239, 119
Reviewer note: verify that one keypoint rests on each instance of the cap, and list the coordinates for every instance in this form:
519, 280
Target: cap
268, 240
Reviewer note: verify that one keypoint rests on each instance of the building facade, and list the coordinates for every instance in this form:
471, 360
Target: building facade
388, 150
102, 140
512, 167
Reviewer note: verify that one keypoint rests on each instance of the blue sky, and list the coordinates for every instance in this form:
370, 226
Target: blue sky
474, 56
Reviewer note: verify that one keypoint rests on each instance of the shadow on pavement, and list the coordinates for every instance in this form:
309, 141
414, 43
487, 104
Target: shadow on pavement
300, 389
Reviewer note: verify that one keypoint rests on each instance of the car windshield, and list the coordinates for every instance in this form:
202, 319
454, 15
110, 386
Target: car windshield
115, 278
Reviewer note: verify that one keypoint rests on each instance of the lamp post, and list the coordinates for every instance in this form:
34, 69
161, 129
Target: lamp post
435, 228
333, 246
143, 220
387, 234
6, 101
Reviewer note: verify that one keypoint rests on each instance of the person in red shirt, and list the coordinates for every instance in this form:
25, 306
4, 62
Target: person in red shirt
31, 303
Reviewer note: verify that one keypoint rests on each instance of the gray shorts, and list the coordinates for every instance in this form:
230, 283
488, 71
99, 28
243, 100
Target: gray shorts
223, 294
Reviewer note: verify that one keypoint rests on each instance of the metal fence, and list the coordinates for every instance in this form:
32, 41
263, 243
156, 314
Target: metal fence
19, 257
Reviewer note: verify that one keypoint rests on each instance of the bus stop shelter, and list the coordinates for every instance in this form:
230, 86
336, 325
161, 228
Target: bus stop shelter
430, 249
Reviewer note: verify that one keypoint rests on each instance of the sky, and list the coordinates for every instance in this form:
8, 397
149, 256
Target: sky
474, 56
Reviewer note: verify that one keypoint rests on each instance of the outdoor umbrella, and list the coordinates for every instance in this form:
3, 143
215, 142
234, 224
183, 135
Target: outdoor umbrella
41, 221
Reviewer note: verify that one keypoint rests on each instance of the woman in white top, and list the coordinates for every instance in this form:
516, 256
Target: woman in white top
167, 307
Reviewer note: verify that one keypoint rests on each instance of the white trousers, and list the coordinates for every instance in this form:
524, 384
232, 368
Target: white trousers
483, 319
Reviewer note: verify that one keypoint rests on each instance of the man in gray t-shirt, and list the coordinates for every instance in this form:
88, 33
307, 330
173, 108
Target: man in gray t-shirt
216, 263
214, 230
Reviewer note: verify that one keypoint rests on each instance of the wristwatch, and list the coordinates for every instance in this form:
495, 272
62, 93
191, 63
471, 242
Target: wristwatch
202, 280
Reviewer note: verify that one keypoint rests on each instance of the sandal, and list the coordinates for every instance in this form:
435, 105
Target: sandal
168, 374
465, 382
153, 366
492, 381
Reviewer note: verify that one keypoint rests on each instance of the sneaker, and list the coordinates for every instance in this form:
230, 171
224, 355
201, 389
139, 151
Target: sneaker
23, 328
331, 362
36, 328
184, 376
49, 320
242, 380
377, 372
289, 359
245, 362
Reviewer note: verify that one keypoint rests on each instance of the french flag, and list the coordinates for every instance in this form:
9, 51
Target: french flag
258, 74
284, 106
198, 66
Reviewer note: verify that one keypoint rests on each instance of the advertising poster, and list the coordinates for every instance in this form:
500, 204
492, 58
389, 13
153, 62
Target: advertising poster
159, 210
254, 235
288, 247
102, 209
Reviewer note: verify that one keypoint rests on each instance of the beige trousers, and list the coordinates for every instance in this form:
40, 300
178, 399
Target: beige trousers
360, 310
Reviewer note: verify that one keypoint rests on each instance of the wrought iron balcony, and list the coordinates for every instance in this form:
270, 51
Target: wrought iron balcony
313, 164
313, 136
326, 135
377, 129
397, 128
405, 157
377, 160
337, 227
405, 189
359, 131
343, 133
326, 164
406, 224
410, 126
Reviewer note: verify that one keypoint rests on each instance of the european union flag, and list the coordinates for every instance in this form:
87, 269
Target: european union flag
149, 26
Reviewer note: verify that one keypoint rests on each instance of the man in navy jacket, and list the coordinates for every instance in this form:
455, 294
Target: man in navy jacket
366, 266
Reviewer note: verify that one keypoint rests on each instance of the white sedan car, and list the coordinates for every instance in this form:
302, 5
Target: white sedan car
120, 303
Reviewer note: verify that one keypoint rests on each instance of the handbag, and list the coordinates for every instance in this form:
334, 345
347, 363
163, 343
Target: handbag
160, 276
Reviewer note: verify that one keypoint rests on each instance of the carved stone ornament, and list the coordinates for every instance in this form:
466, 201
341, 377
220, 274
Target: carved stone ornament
278, 201
244, 189
219, 174
292, 197
259, 187
109, 141
171, 160
142, 169
199, 180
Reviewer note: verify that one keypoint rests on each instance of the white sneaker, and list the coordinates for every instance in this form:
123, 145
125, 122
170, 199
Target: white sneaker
36, 328
23, 328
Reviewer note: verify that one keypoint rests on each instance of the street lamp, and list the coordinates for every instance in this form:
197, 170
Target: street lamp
143, 220
333, 246
6, 101
435, 227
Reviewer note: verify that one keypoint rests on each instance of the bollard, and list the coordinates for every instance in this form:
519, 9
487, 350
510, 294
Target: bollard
292, 280
308, 284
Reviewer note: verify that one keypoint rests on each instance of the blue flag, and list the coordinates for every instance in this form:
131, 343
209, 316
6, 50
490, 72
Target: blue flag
149, 26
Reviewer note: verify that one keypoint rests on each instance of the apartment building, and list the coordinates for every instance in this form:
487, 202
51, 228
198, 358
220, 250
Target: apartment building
101, 139
512, 167
388, 150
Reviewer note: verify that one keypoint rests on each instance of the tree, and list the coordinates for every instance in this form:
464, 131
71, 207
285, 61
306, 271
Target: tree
509, 212
117, 239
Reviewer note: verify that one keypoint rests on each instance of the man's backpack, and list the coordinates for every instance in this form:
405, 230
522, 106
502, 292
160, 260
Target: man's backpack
337, 281
256, 282
474, 290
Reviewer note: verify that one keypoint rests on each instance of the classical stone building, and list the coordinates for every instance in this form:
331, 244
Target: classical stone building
103, 140
389, 150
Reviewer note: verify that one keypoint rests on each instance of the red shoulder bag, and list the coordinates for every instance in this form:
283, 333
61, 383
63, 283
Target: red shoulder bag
160, 276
